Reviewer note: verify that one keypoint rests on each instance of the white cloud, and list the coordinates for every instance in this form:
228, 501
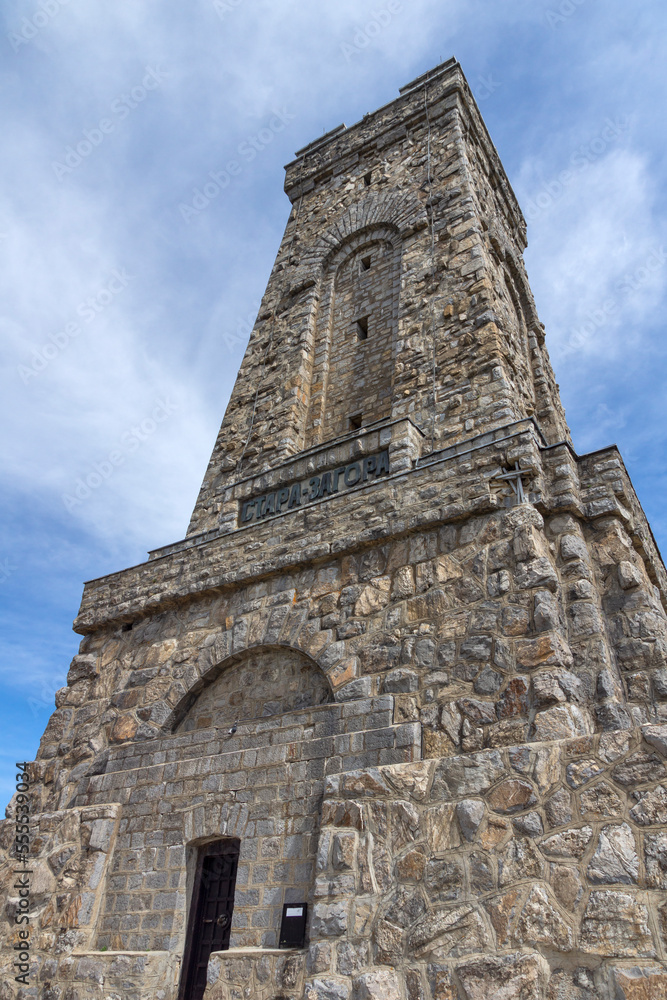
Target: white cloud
597, 259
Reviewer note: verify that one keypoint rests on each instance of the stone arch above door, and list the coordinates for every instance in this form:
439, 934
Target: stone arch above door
263, 681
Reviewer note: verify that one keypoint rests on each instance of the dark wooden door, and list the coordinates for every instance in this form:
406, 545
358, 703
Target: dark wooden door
210, 914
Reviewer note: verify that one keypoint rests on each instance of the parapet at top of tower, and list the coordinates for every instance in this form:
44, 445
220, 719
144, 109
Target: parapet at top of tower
360, 147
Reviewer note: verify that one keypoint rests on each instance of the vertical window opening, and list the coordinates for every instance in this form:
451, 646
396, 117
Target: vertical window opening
362, 328
366, 263
368, 178
355, 421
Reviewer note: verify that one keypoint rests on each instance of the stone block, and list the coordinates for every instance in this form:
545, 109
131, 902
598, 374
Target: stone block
517, 861
616, 924
537, 573
529, 825
541, 923
511, 795
470, 813
83, 667
320, 956
381, 985
640, 983
474, 774
443, 880
568, 844
510, 977
561, 722
629, 575
549, 649
457, 929
651, 808
573, 547
329, 919
615, 859
600, 802
656, 736
327, 989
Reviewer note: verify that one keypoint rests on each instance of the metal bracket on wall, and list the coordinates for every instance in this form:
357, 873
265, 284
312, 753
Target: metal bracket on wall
514, 478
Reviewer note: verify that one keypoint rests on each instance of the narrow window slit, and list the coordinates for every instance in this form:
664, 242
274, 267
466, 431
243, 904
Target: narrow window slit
362, 328
355, 421
366, 263
368, 178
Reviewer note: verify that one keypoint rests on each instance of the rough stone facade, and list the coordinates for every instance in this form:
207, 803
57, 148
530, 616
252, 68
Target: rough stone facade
427, 699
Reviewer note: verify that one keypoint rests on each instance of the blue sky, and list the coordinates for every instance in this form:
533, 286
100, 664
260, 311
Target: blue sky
119, 303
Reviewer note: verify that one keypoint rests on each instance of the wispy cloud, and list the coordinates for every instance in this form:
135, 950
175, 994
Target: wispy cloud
587, 257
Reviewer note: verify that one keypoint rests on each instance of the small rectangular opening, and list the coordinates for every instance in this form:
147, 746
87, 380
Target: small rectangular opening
355, 421
366, 263
368, 178
362, 328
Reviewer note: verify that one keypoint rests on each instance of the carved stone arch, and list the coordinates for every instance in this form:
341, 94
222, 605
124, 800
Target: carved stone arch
381, 221
263, 680
356, 241
400, 211
518, 276
507, 255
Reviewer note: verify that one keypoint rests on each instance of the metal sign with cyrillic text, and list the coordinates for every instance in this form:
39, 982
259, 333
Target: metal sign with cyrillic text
293, 495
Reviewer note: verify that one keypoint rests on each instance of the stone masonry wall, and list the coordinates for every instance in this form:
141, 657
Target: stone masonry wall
257, 975
490, 632
481, 628
113, 871
539, 870
499, 628
536, 872
263, 785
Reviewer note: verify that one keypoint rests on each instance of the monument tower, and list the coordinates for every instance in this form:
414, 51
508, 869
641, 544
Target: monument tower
390, 723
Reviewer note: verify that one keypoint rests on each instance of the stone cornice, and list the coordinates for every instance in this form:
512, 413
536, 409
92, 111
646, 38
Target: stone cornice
447, 487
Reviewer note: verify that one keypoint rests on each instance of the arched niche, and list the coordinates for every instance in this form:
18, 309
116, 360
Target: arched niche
261, 682
355, 335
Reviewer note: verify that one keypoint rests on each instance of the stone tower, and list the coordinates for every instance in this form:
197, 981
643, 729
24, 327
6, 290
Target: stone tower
398, 701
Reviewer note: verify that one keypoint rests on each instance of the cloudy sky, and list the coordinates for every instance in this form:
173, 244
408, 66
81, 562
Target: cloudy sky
124, 298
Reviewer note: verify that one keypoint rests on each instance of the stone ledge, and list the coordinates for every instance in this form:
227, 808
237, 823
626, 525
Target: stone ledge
90, 953
415, 499
171, 579
236, 952
401, 437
